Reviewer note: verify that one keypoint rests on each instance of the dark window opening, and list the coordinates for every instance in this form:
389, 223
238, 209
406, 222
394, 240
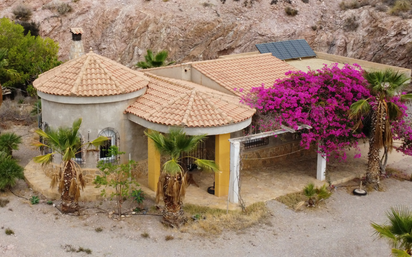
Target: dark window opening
104, 149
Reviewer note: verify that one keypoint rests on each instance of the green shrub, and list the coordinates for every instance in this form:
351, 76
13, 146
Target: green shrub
138, 196
34, 199
22, 12
400, 7
9, 142
290, 11
64, 8
10, 171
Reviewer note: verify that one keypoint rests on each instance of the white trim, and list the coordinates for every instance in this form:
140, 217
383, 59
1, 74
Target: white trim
233, 194
91, 99
191, 131
321, 166
234, 172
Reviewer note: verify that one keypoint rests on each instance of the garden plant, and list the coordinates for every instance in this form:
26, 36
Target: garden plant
118, 176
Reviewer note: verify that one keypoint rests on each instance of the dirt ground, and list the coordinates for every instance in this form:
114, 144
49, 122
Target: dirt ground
341, 228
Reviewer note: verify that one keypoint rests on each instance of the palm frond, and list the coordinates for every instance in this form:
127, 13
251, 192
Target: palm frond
406, 97
400, 253
393, 111
44, 159
172, 167
309, 190
97, 142
41, 133
359, 108
207, 165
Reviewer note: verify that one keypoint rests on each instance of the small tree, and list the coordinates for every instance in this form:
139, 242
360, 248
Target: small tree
398, 231
117, 176
9, 142
10, 171
153, 61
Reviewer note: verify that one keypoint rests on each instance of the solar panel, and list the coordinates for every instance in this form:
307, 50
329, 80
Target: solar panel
285, 50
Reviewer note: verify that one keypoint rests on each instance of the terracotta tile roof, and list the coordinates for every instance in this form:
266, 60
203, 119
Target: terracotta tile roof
76, 30
175, 102
244, 72
90, 75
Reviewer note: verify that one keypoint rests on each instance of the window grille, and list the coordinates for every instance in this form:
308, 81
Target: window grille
113, 139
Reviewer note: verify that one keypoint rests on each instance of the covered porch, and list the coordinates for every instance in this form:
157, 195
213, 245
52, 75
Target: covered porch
287, 175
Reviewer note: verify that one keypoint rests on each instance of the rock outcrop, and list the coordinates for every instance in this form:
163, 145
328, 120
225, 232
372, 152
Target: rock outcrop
199, 30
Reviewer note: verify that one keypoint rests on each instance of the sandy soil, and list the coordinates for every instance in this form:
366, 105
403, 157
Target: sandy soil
342, 228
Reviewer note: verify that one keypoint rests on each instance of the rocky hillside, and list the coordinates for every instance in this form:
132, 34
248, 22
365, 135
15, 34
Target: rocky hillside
205, 29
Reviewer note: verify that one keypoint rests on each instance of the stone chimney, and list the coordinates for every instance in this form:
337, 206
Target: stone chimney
76, 49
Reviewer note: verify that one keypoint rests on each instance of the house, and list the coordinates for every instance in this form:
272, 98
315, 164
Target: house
202, 97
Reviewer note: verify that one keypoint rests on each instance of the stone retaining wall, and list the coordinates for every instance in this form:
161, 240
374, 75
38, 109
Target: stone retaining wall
88, 174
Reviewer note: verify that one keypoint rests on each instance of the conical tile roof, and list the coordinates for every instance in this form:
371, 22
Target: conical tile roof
175, 102
90, 75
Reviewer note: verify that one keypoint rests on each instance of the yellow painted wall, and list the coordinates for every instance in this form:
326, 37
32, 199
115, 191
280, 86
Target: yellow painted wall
153, 165
222, 151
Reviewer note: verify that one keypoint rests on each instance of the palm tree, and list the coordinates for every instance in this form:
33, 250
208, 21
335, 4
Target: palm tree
153, 61
66, 142
398, 231
383, 85
9, 142
172, 181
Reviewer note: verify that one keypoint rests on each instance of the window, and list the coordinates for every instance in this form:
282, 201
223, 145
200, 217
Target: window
104, 148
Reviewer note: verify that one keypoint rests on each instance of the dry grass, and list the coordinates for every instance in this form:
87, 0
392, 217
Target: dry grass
3, 202
400, 7
9, 232
292, 200
397, 174
290, 11
169, 237
217, 220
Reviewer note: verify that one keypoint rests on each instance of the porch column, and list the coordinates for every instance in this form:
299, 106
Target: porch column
321, 169
234, 172
222, 158
153, 160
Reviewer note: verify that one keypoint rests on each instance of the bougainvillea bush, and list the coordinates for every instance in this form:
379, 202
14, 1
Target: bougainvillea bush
318, 98
401, 128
